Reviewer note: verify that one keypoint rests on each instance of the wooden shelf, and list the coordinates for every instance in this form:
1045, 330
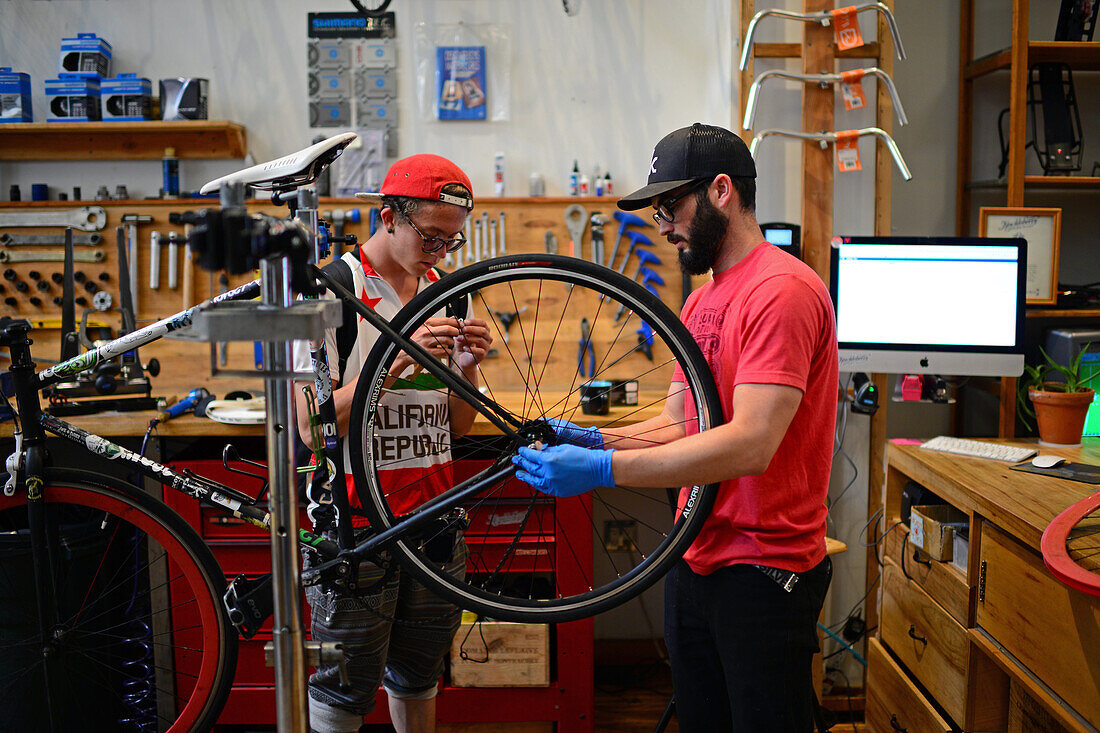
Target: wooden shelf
1062, 313
1048, 182
121, 140
1079, 56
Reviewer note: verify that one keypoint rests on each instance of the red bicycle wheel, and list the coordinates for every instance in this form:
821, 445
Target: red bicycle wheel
1071, 545
139, 639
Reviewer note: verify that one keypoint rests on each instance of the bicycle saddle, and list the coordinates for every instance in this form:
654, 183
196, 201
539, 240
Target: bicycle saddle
291, 171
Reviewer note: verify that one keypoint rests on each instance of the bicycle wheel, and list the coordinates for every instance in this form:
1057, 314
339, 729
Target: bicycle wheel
1071, 545
531, 556
139, 641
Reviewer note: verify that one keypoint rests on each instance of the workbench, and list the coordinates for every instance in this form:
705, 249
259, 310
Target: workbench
1001, 644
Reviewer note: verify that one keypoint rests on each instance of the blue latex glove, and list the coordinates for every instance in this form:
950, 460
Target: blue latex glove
564, 470
575, 434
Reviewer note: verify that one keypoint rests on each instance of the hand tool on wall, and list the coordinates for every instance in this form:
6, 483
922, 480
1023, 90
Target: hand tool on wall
823, 79
154, 260
625, 219
585, 349
576, 220
637, 239
466, 254
825, 18
6, 256
824, 138
503, 245
484, 252
550, 242
132, 221
478, 233
48, 240
223, 346
507, 318
173, 260
86, 218
645, 340
70, 345
598, 220
650, 278
492, 238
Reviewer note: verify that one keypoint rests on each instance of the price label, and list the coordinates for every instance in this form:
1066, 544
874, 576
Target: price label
851, 89
847, 151
846, 28
916, 529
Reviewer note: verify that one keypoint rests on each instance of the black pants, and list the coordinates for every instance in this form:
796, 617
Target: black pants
742, 647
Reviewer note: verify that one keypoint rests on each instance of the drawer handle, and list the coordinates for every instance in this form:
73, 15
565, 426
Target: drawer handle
916, 559
913, 635
896, 725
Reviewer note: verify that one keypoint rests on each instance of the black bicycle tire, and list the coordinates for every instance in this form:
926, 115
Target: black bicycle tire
566, 269
136, 502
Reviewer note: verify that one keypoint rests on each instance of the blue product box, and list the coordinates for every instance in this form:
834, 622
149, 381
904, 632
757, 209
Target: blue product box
73, 98
127, 97
15, 96
85, 55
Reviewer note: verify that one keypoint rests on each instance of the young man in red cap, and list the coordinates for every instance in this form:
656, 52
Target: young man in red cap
742, 605
395, 632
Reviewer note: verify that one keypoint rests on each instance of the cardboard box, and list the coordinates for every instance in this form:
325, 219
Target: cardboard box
183, 99
15, 96
85, 55
73, 98
500, 654
931, 528
127, 97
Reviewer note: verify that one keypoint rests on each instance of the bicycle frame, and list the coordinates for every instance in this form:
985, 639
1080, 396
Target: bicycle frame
340, 558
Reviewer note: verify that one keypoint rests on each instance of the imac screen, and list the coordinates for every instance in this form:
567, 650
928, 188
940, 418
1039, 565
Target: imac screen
929, 305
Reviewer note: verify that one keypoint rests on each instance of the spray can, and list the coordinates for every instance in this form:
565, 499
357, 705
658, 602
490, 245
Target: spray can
608, 186
498, 174
582, 188
171, 167
575, 180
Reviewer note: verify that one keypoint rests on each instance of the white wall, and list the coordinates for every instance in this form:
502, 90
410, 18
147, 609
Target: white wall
601, 87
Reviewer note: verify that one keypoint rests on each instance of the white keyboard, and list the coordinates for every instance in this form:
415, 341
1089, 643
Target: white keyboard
979, 449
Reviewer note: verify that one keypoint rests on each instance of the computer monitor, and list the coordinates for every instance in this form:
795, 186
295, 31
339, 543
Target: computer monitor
929, 305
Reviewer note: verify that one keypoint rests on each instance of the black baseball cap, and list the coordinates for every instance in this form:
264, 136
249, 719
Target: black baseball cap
688, 154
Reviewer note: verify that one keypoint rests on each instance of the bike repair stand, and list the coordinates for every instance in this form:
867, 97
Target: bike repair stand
281, 320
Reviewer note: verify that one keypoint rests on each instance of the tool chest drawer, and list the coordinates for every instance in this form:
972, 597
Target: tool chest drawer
925, 638
944, 582
894, 703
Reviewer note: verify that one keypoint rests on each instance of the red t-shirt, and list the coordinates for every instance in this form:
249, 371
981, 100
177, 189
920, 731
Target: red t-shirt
769, 320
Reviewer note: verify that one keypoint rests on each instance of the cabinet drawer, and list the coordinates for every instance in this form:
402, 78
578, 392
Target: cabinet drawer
925, 638
893, 702
941, 580
1050, 629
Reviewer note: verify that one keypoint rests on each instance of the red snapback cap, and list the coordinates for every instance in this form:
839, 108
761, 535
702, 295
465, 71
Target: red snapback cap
423, 176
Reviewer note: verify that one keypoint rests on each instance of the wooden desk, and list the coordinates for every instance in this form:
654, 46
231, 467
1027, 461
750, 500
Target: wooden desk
996, 644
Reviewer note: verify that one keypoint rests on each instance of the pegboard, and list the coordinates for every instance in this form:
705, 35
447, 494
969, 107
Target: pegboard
186, 365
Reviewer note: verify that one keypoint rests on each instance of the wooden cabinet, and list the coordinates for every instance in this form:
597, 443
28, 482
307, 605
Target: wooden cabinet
997, 641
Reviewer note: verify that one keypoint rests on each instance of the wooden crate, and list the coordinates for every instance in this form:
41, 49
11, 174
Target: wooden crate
501, 654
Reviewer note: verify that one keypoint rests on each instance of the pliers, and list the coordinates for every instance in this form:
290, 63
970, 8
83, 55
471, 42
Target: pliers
584, 346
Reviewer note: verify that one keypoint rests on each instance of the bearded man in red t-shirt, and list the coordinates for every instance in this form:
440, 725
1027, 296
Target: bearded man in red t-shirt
741, 607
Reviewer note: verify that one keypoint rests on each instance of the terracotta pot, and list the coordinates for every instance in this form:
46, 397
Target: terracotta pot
1061, 415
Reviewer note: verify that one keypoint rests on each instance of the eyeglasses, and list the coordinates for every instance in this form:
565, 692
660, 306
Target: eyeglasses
665, 208
434, 244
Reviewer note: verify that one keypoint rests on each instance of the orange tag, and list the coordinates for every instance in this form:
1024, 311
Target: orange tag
847, 151
846, 28
851, 89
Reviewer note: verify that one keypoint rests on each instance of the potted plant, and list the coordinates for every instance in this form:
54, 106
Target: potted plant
1059, 407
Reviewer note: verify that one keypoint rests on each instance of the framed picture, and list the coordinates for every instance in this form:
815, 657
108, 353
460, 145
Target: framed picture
1042, 229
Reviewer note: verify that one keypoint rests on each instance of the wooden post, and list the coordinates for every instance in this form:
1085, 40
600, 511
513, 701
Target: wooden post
818, 55
745, 77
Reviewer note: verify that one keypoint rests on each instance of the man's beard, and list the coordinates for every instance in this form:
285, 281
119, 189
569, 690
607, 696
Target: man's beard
705, 233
